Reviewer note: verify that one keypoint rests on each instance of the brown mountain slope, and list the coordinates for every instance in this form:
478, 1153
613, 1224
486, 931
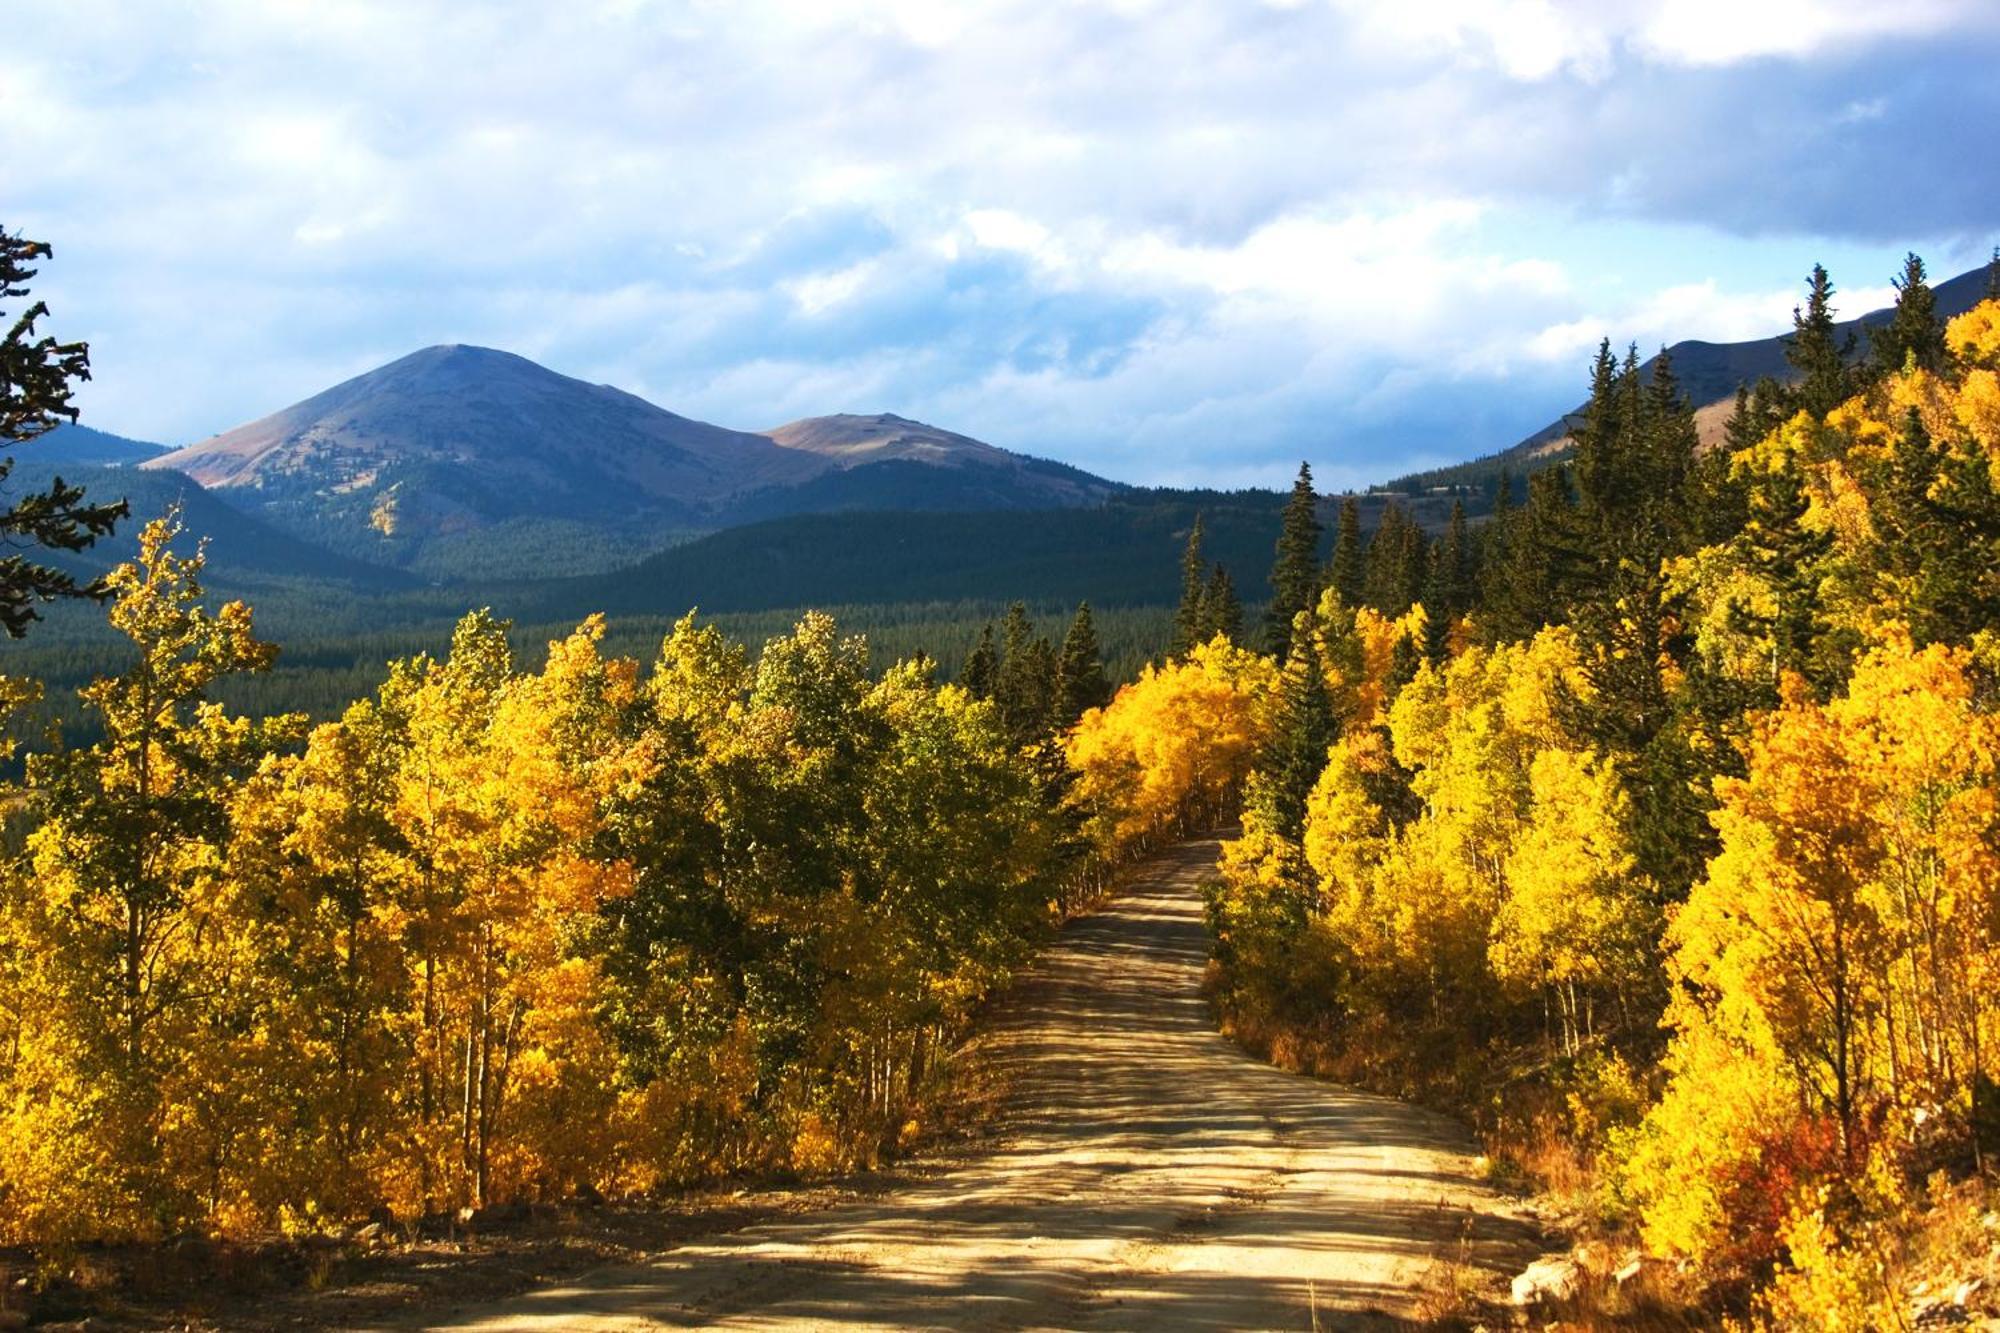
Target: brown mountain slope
454, 440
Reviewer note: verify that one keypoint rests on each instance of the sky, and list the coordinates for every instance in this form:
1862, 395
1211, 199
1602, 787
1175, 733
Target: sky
1173, 243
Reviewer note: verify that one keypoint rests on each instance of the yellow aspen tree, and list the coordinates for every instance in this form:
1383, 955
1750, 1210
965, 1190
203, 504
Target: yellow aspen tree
119, 1123
542, 1082
1172, 748
1837, 955
443, 811
1576, 923
319, 875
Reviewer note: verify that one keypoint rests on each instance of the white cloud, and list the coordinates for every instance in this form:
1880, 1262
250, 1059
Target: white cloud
1538, 39
1703, 311
1721, 32
820, 292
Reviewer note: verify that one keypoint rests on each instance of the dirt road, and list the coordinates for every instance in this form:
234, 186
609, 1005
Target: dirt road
1150, 1175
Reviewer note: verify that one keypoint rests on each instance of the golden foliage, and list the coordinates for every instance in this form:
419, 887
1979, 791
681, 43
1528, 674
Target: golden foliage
493, 933
1171, 749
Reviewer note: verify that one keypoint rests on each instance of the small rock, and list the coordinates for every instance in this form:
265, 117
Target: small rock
1553, 1277
1963, 1293
370, 1233
1629, 1271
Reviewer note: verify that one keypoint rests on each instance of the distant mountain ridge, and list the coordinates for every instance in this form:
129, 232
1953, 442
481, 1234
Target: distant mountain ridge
454, 439
1709, 374
96, 448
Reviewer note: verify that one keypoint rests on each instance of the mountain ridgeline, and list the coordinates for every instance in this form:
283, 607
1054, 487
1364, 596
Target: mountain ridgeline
1709, 375
457, 459
460, 475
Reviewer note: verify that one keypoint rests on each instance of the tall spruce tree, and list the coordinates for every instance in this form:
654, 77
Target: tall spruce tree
1461, 574
1716, 493
1302, 729
1745, 425
1345, 573
1448, 589
1025, 687
1295, 575
1414, 565
1914, 334
1593, 456
1437, 608
981, 673
1500, 620
1394, 569
38, 375
1191, 616
1936, 521
1817, 352
1080, 682
1547, 556
1221, 611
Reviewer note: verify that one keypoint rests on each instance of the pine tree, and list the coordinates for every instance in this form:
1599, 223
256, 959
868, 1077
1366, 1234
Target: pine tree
1380, 574
1500, 619
981, 673
1745, 425
1437, 607
1716, 494
1025, 686
1080, 683
1448, 588
1545, 555
1817, 353
1413, 563
1914, 334
1345, 573
1191, 617
1396, 563
1593, 455
1993, 276
37, 377
1295, 575
1908, 533
1937, 526
1668, 445
1460, 574
1222, 612
1302, 729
